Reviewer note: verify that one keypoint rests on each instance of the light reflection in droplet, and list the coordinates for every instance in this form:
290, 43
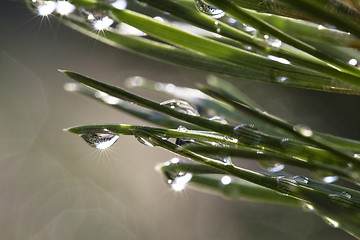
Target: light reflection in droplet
127, 29
46, 8
120, 4
278, 59
64, 7
226, 180
103, 23
179, 183
353, 62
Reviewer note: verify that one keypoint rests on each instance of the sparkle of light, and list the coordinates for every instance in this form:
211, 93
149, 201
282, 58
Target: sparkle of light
120, 4
64, 7
226, 180
107, 144
46, 8
179, 183
103, 23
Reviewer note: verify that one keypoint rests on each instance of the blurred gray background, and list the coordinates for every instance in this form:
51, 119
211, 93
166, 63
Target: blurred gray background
54, 186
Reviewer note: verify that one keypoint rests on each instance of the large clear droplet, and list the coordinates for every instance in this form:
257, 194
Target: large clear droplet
181, 106
209, 10
100, 140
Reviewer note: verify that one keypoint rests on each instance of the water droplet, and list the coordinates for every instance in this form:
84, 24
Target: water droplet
331, 222
303, 130
64, 8
353, 62
321, 27
103, 23
248, 134
135, 81
344, 195
357, 155
179, 182
281, 79
325, 176
252, 31
308, 207
120, 4
271, 166
301, 179
219, 119
278, 59
145, 141
181, 106
45, 8
343, 199
100, 140
226, 180
158, 18
126, 29
70, 87
273, 42
286, 184
209, 10
291, 147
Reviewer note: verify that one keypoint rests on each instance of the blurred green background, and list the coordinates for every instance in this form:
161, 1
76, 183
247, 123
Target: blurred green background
54, 186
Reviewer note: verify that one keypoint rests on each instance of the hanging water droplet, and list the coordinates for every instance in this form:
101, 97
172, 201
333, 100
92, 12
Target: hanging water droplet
181, 106
301, 179
248, 134
70, 87
209, 10
325, 176
331, 222
271, 166
307, 207
303, 130
100, 140
64, 8
225, 180
179, 182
